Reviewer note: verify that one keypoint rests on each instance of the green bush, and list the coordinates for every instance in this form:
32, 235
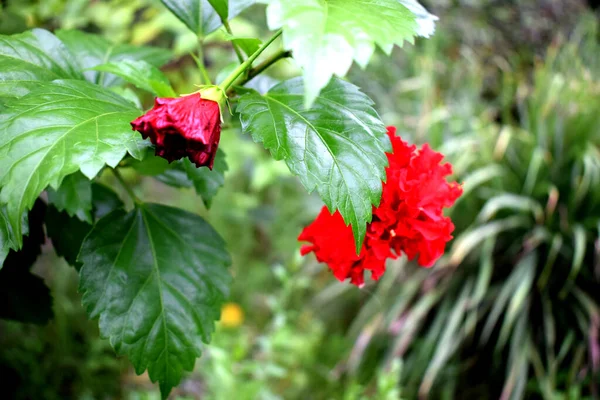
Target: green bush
513, 309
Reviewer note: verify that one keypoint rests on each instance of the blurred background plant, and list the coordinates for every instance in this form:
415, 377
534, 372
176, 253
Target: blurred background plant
510, 92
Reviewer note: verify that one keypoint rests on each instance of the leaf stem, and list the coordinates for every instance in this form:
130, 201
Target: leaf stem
253, 72
246, 64
236, 48
200, 63
121, 180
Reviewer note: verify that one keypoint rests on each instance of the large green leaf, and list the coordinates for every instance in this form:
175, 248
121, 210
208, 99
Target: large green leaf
337, 147
59, 128
30, 58
156, 277
327, 35
201, 17
142, 75
92, 50
73, 196
67, 232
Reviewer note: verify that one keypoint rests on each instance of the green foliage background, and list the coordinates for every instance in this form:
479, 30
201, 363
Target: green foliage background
510, 92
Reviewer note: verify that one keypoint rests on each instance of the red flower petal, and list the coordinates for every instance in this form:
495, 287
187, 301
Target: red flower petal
184, 126
409, 218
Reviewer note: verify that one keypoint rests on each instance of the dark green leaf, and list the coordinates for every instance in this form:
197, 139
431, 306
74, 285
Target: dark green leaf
205, 181
156, 277
175, 176
142, 75
23, 296
327, 35
30, 58
73, 196
104, 200
92, 50
67, 232
337, 147
201, 17
59, 128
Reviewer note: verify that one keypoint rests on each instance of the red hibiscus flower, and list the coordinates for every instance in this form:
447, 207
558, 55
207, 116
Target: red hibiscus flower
184, 126
409, 218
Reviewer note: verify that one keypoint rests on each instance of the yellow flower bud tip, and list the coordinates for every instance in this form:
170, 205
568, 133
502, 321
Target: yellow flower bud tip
232, 315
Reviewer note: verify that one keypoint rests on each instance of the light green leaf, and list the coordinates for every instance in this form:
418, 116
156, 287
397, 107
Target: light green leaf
28, 59
337, 147
200, 16
156, 278
425, 20
327, 35
221, 7
511, 202
73, 196
52, 132
247, 44
92, 50
142, 75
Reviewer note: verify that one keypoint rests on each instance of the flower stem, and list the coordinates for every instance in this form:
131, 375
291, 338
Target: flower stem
253, 72
200, 62
236, 48
246, 64
119, 177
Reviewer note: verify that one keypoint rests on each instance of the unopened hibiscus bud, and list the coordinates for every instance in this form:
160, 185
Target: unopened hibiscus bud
189, 126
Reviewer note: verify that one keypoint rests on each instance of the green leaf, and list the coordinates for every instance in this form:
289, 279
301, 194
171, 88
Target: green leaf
425, 20
205, 181
92, 50
201, 17
59, 128
73, 196
337, 147
104, 200
6, 238
142, 75
327, 35
183, 173
156, 277
221, 7
31, 58
67, 233
247, 44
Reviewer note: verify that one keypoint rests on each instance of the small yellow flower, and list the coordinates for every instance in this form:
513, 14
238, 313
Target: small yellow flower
232, 315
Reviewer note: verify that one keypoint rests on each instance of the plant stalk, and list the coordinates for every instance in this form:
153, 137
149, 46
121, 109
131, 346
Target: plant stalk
121, 180
253, 72
246, 64
200, 62
236, 48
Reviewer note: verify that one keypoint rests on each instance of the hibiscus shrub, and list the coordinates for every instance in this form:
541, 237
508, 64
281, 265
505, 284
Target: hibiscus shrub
156, 276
